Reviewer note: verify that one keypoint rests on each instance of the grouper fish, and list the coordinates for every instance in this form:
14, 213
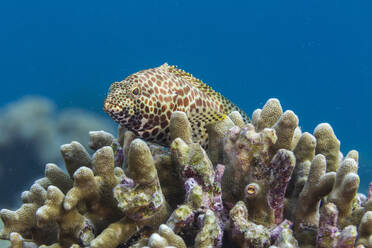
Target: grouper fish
145, 101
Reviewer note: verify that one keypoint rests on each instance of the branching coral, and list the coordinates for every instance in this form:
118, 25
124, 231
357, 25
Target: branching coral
262, 184
203, 203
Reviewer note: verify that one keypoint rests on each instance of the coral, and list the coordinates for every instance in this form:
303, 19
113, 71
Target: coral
73, 227
257, 175
203, 202
327, 230
306, 206
283, 236
345, 188
347, 237
261, 184
365, 230
243, 147
268, 115
165, 237
245, 233
328, 145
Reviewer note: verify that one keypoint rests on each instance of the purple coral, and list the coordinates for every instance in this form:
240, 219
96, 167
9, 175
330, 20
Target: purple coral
328, 232
282, 166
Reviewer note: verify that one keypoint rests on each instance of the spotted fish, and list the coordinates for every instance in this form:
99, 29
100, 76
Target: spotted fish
145, 101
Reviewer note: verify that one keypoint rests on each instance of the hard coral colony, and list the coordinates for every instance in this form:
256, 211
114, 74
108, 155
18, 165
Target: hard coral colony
262, 184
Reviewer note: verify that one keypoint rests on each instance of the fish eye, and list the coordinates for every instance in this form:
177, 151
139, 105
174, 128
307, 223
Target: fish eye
136, 91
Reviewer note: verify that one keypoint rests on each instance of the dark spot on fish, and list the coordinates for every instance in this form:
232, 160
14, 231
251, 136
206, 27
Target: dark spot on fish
186, 101
179, 102
163, 124
154, 132
169, 114
146, 134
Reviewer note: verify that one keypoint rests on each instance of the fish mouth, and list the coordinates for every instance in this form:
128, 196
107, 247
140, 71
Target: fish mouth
110, 106
118, 117
118, 114
111, 109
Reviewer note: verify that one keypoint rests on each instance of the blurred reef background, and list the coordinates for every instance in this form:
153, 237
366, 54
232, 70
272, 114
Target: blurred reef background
57, 60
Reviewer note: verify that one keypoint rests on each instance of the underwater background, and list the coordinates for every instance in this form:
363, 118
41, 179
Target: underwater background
57, 60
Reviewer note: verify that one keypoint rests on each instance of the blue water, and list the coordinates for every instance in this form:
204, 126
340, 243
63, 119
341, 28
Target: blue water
315, 56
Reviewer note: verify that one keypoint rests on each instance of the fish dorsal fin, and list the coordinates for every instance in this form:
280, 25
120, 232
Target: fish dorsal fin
227, 105
192, 80
200, 85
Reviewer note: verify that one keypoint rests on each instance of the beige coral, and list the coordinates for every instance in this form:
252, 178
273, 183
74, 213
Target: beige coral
271, 172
